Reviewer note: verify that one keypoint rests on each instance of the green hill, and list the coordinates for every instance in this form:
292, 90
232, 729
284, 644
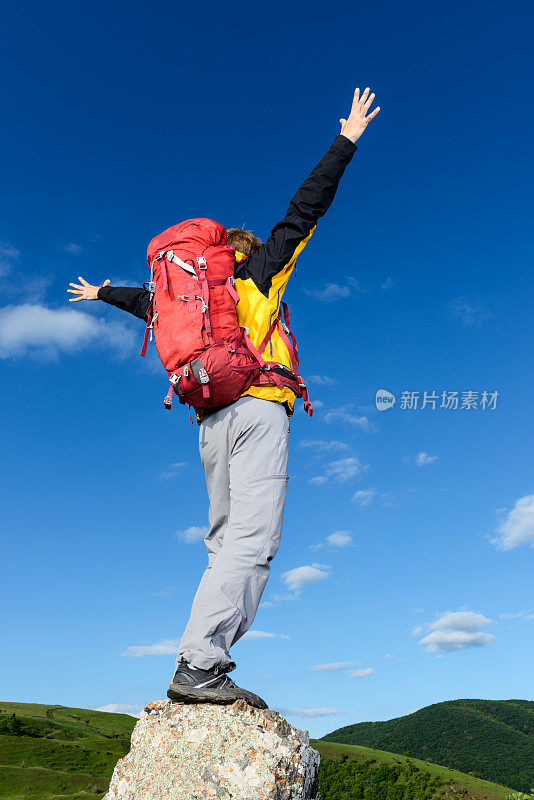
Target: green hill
349, 772
494, 738
56, 752
53, 751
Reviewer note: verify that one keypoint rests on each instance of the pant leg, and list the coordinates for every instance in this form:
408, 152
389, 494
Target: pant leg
257, 434
215, 457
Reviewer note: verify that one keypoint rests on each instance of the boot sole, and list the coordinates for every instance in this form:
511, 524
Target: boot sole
189, 694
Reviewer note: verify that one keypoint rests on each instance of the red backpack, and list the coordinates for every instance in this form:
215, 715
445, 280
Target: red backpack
209, 358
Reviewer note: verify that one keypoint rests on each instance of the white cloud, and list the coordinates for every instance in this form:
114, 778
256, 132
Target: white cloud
468, 313
72, 248
33, 288
323, 445
526, 616
166, 593
515, 618
321, 380
300, 577
252, 635
439, 641
336, 291
334, 666
119, 280
517, 528
388, 283
121, 708
345, 414
8, 256
277, 599
45, 332
339, 471
339, 539
423, 459
174, 470
364, 496
191, 535
361, 673
455, 630
167, 647
308, 713
330, 293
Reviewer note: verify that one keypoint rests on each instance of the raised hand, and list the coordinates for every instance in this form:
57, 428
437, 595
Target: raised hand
85, 290
357, 121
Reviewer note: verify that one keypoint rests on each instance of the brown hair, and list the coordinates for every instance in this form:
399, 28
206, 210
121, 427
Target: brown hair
243, 241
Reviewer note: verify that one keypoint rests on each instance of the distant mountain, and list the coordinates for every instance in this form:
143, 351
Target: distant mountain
494, 738
53, 751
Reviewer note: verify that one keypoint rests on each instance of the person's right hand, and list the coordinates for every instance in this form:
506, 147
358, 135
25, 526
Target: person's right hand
358, 119
85, 290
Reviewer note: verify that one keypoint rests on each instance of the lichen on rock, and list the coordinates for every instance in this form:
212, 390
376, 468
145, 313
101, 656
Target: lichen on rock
224, 752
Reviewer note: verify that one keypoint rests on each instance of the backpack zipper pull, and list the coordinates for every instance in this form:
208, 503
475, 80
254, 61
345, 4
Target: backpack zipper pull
151, 326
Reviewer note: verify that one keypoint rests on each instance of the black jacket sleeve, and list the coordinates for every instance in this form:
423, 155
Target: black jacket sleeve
128, 298
311, 201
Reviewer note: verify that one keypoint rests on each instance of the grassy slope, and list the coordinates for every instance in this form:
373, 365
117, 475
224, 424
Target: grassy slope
454, 783
71, 752
492, 737
63, 752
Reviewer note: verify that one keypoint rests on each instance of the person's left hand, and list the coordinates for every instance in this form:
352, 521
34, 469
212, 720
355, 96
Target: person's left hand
86, 290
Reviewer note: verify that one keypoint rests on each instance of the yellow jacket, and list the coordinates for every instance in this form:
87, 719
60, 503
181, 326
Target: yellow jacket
261, 279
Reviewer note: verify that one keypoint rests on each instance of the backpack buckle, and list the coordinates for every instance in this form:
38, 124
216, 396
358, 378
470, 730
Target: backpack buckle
203, 375
201, 261
204, 304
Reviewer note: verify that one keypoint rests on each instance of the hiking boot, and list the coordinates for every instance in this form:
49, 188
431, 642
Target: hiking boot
208, 686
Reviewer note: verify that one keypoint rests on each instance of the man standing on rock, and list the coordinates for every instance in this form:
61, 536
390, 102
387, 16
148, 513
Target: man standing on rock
244, 445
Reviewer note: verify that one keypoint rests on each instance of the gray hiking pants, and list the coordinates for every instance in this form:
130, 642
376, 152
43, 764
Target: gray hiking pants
244, 452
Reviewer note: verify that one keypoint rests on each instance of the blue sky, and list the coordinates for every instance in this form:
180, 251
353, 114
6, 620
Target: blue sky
405, 572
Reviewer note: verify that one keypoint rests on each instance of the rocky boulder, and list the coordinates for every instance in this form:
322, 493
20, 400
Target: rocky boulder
201, 751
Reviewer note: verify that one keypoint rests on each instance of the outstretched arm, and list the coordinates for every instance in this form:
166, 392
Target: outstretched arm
127, 298
276, 257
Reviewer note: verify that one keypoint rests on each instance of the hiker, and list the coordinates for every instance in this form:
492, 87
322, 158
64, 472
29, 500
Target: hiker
244, 444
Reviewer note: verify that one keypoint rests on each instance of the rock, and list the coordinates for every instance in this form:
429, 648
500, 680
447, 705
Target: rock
201, 751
